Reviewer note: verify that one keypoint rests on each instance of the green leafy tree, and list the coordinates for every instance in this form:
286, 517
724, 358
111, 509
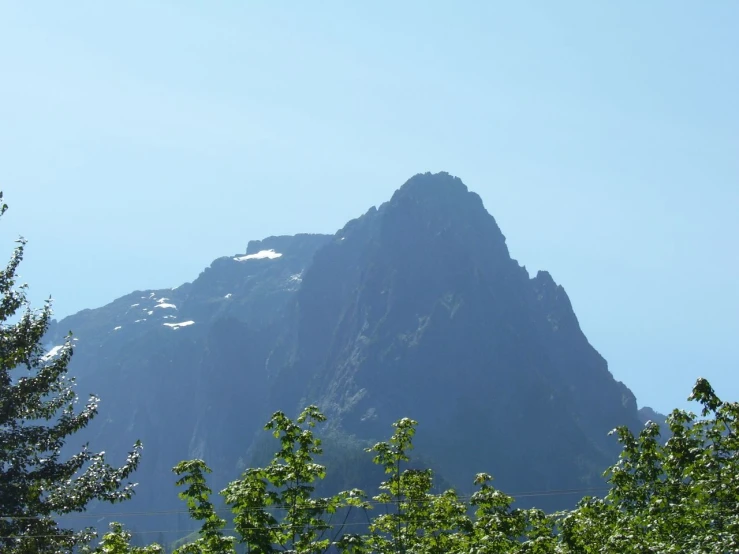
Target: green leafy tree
499, 528
197, 495
665, 497
419, 521
273, 506
680, 496
423, 522
37, 417
405, 526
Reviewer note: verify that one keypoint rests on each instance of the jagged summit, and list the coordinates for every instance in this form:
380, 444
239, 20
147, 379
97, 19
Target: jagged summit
433, 219
438, 192
440, 185
441, 207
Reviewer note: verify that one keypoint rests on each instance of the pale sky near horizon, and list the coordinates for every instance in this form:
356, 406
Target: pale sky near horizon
139, 141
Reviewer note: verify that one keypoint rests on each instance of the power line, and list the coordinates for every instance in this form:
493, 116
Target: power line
229, 529
461, 498
328, 526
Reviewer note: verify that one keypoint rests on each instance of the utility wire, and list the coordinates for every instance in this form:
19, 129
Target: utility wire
461, 498
229, 529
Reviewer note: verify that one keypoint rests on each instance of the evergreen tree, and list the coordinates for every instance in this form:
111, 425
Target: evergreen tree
37, 417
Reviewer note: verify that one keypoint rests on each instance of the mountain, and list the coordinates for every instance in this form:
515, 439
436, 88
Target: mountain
413, 309
417, 309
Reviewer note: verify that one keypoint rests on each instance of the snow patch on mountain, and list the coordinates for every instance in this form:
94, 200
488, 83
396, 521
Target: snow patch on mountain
178, 325
261, 255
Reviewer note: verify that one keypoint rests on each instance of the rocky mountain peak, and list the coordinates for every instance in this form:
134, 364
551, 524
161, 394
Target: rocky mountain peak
433, 186
414, 309
440, 208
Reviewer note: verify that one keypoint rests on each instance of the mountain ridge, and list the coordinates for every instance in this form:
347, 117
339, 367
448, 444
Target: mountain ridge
415, 308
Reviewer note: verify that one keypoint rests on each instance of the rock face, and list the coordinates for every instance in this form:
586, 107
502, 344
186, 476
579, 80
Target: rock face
414, 309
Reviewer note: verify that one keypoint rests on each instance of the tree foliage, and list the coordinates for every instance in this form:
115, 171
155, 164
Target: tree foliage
38, 415
273, 506
274, 510
680, 496
419, 521
197, 495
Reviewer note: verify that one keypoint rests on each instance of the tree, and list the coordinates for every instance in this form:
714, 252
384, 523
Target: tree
499, 528
197, 495
421, 521
673, 496
37, 417
273, 506
680, 496
428, 523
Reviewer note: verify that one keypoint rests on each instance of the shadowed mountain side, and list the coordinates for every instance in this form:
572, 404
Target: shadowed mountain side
416, 309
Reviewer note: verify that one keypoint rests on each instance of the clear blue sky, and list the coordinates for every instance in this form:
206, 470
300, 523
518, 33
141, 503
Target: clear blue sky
141, 140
